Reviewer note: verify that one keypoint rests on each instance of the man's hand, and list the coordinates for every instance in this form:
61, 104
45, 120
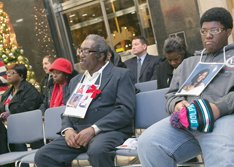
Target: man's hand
4, 115
181, 105
84, 136
197, 116
216, 111
70, 135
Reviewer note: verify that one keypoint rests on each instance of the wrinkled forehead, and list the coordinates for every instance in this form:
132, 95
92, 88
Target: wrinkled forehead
88, 44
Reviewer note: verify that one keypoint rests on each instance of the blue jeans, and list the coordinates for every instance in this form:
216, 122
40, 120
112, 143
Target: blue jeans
161, 145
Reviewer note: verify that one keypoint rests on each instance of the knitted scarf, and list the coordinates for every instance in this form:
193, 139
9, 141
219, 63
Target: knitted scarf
57, 96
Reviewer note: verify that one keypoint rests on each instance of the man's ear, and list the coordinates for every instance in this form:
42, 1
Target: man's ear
229, 31
102, 57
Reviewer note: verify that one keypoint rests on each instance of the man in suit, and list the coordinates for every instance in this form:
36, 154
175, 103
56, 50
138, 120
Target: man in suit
143, 65
109, 116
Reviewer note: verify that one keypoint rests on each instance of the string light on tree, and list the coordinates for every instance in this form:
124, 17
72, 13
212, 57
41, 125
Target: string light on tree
10, 52
42, 32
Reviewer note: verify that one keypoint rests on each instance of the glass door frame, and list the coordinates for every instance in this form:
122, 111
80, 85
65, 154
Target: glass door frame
62, 31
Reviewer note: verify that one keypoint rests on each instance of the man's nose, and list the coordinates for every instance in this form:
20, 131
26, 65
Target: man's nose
208, 35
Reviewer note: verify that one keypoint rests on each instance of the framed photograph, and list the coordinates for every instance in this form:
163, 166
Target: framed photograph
200, 77
79, 101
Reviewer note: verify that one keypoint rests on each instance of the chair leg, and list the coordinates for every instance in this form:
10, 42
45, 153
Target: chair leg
17, 164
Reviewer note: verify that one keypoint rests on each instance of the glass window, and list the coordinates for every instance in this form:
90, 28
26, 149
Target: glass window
123, 20
78, 35
146, 23
84, 14
31, 30
117, 5
123, 29
125, 23
142, 1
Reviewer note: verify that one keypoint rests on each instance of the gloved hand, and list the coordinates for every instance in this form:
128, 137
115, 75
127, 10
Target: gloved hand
197, 116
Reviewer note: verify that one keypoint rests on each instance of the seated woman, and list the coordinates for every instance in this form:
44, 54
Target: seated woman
62, 72
20, 97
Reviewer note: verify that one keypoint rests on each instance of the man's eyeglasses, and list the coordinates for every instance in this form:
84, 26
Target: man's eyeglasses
85, 51
212, 31
11, 73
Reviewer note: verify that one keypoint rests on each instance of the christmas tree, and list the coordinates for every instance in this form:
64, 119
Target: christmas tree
10, 51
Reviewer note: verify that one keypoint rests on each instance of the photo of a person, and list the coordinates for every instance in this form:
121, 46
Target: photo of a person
197, 83
81, 89
83, 102
199, 78
75, 99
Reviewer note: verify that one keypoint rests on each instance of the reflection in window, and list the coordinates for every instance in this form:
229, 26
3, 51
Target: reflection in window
141, 1
114, 6
125, 24
84, 14
80, 34
123, 29
123, 20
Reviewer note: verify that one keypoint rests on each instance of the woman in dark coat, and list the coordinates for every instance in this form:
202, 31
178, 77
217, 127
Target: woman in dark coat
20, 97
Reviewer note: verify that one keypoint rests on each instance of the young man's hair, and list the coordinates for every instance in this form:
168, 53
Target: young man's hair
218, 14
174, 44
142, 39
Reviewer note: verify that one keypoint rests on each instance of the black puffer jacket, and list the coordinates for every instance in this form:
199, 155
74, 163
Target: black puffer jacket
27, 98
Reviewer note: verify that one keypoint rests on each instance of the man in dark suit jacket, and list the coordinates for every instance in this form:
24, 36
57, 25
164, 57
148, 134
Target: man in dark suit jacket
148, 62
109, 117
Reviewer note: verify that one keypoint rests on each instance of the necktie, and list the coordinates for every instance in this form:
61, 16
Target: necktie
138, 69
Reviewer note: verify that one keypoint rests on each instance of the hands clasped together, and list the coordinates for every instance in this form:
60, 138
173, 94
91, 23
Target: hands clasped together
195, 116
77, 140
4, 115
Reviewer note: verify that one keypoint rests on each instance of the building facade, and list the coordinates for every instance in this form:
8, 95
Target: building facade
69, 21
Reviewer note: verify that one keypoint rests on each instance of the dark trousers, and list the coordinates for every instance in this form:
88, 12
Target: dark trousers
3, 139
101, 151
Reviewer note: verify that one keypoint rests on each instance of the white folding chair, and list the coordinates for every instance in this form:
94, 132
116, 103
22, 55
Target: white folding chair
147, 86
26, 127
52, 125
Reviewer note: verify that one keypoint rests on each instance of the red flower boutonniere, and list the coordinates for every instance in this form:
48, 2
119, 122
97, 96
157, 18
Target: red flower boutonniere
93, 89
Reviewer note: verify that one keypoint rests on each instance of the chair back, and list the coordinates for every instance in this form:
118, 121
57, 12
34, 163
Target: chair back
53, 122
25, 127
147, 86
150, 108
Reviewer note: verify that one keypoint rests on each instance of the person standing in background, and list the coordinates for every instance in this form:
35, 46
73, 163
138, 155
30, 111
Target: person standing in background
143, 65
47, 82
